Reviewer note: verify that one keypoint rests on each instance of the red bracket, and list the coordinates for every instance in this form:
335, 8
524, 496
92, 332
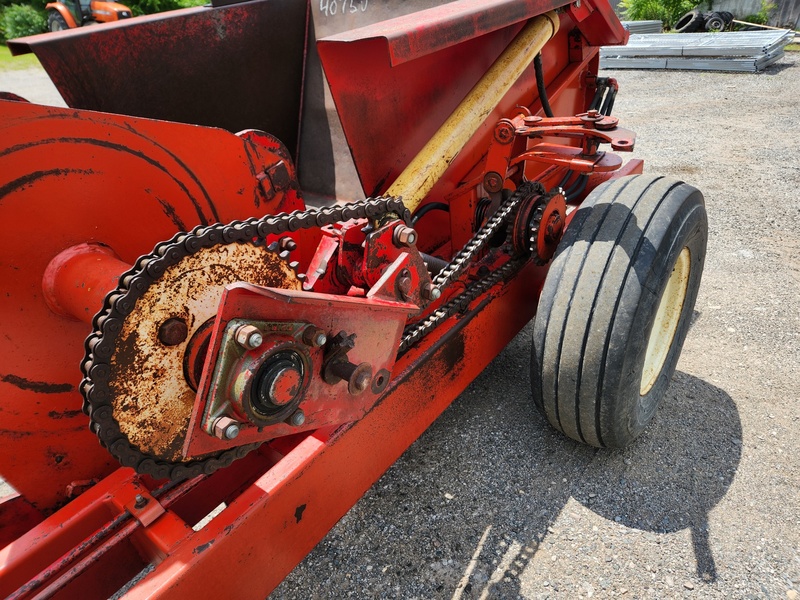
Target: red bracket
517, 140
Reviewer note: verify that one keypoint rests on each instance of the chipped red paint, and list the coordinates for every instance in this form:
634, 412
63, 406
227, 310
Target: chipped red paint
111, 187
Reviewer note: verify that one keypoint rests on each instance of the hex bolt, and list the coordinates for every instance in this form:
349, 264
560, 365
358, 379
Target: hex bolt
431, 292
404, 283
287, 243
249, 337
173, 331
140, 502
226, 428
493, 182
314, 337
404, 236
297, 419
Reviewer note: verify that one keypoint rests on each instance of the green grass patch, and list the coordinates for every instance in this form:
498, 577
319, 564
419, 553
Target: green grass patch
8, 62
792, 48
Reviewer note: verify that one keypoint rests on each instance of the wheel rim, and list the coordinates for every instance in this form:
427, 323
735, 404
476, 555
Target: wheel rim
666, 321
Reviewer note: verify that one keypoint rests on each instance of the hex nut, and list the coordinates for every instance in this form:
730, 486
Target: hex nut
226, 428
431, 292
249, 337
404, 236
314, 337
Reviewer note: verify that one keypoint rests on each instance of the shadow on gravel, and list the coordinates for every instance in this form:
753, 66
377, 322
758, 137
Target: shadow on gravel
684, 465
667, 481
777, 68
466, 510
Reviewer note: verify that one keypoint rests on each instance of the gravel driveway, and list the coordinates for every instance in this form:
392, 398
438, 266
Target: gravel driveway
492, 503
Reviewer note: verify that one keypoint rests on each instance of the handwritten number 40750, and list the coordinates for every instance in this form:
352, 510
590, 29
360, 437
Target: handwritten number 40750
332, 7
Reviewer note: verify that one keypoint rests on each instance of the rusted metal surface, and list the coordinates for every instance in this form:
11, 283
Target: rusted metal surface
424, 382
152, 400
361, 75
235, 67
376, 324
130, 183
69, 177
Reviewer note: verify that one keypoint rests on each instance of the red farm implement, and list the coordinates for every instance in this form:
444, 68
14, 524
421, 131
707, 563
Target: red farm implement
252, 266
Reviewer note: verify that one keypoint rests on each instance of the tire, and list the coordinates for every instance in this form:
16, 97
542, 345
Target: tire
690, 22
594, 373
715, 22
55, 22
728, 16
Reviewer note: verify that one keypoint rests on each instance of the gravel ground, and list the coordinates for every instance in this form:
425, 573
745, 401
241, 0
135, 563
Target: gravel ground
492, 503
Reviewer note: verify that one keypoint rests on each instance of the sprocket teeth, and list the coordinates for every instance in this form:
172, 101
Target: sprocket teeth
149, 268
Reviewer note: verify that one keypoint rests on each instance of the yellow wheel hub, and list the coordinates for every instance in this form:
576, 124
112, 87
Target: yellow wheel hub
666, 322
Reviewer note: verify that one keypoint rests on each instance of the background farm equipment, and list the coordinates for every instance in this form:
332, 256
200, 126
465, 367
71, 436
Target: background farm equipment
68, 14
266, 320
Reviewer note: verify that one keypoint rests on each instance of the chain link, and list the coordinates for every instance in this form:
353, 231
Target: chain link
121, 302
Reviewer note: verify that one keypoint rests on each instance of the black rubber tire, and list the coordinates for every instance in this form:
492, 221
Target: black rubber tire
690, 22
715, 22
599, 303
728, 16
55, 22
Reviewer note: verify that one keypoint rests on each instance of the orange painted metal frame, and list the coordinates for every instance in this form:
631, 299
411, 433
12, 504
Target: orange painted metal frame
147, 180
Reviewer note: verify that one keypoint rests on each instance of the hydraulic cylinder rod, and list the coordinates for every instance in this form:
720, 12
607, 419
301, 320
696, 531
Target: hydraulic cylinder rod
419, 177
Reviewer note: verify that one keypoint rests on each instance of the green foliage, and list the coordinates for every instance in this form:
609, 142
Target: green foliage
19, 20
667, 11
149, 7
762, 16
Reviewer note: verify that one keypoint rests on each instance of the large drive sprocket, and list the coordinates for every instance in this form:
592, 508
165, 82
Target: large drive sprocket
137, 386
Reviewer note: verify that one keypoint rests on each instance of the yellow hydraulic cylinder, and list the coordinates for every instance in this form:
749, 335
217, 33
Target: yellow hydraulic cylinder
429, 165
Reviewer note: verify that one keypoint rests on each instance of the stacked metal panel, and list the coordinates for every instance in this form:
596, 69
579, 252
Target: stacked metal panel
748, 51
639, 27
643, 26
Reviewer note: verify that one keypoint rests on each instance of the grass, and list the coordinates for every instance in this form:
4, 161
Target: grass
8, 62
792, 48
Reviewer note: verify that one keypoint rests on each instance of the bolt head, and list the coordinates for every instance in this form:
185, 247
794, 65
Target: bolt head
431, 292
314, 336
404, 285
405, 236
493, 182
173, 331
297, 419
249, 337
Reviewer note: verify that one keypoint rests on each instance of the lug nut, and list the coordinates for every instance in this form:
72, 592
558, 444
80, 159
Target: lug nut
314, 336
249, 337
297, 419
226, 428
431, 292
404, 236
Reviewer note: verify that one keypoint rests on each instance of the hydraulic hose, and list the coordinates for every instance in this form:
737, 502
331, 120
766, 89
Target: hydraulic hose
537, 65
